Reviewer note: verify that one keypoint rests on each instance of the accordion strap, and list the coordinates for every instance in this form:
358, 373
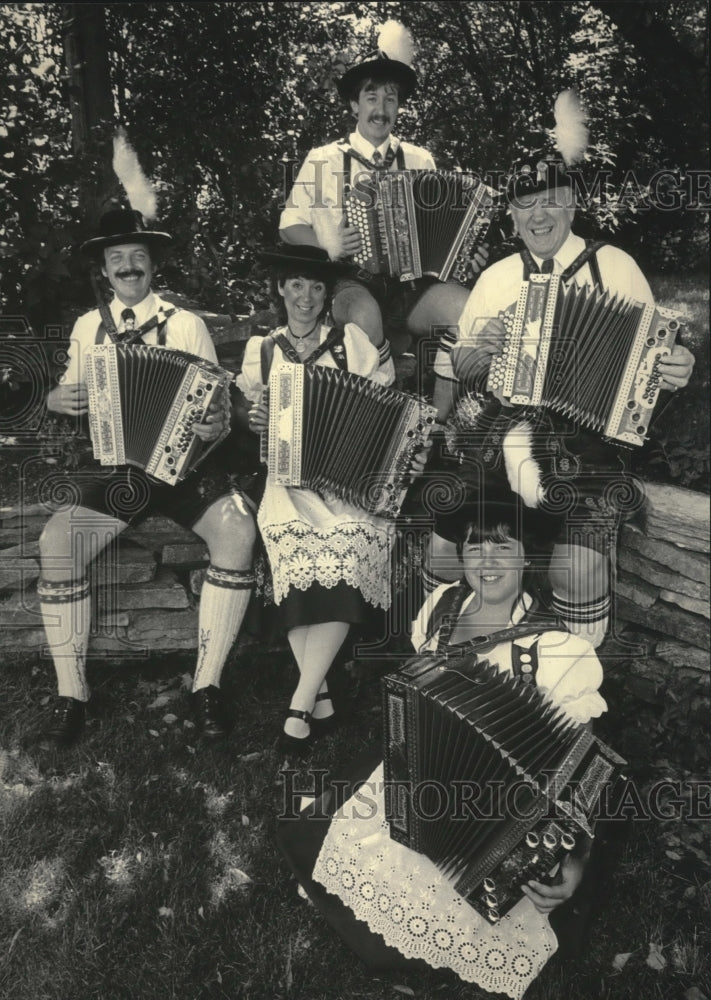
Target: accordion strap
482, 643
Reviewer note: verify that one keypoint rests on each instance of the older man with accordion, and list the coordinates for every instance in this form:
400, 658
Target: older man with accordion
564, 342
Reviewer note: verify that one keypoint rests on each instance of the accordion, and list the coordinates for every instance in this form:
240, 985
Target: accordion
586, 355
143, 403
419, 222
340, 434
483, 776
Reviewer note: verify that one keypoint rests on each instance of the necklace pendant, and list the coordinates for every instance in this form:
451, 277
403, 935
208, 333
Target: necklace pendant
301, 347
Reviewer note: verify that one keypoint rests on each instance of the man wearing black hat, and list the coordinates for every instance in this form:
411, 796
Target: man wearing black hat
374, 89
109, 500
542, 207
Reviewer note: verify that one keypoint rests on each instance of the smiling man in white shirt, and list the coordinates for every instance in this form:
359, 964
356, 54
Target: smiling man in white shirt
107, 501
374, 89
573, 462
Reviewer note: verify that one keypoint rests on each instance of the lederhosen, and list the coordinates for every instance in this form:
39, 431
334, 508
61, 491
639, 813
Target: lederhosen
396, 298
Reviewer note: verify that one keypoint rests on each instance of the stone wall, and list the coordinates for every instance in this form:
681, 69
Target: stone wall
662, 588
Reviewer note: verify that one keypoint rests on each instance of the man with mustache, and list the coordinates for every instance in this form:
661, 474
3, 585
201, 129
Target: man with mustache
374, 89
107, 501
547, 456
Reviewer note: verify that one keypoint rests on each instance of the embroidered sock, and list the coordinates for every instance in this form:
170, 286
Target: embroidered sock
66, 612
223, 603
589, 619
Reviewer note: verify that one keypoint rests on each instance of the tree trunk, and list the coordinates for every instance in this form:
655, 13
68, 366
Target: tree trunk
91, 102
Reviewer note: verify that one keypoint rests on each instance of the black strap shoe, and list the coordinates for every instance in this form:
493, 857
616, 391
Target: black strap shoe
66, 724
295, 746
210, 712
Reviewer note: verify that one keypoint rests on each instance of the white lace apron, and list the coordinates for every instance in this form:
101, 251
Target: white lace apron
402, 896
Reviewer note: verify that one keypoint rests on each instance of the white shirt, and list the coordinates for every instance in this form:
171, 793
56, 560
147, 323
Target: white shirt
184, 332
320, 181
498, 287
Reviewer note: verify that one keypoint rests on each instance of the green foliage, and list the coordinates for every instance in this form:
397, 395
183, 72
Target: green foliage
221, 100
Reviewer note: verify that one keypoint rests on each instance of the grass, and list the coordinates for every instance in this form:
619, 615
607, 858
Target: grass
141, 864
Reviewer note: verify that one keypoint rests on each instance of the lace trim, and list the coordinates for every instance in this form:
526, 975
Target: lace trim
403, 897
356, 553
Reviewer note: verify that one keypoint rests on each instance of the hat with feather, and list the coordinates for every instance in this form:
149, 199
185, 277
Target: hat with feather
547, 167
390, 61
128, 225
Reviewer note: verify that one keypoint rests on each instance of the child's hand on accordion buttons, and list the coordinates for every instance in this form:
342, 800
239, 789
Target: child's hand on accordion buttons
69, 400
546, 897
352, 242
213, 423
259, 417
676, 368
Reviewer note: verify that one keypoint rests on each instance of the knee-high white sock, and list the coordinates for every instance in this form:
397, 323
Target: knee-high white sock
588, 619
66, 612
430, 581
223, 603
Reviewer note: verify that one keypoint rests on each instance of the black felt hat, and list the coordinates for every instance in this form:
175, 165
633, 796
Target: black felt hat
389, 61
306, 259
547, 167
124, 225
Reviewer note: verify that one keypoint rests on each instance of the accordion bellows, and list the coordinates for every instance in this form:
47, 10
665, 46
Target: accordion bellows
143, 403
419, 222
485, 777
343, 435
586, 355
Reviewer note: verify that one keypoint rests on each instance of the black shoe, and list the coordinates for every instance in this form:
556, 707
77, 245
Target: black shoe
210, 713
293, 746
327, 724
66, 723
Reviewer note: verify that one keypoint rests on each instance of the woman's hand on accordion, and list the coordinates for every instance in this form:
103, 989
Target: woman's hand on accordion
676, 368
478, 262
213, 423
546, 897
259, 417
69, 400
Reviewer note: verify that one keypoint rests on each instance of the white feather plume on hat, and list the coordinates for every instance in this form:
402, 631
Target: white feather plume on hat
138, 188
570, 132
396, 42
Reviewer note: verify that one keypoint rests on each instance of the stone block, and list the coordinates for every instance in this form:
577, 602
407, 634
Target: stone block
666, 619
681, 655
658, 575
20, 610
635, 590
186, 554
23, 640
689, 603
692, 565
677, 515
127, 564
19, 514
23, 550
17, 573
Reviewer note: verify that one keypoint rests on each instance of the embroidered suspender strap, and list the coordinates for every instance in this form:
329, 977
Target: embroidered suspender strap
400, 158
266, 356
524, 661
587, 256
337, 347
446, 612
159, 320
333, 343
107, 327
388, 160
